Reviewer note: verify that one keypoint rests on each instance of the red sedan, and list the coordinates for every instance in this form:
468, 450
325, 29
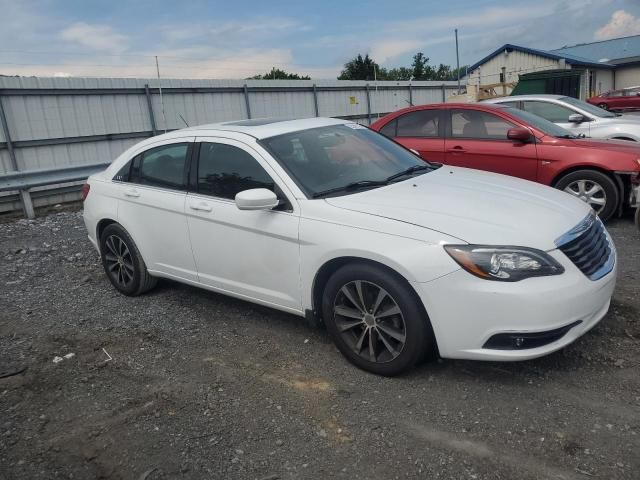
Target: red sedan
514, 142
625, 99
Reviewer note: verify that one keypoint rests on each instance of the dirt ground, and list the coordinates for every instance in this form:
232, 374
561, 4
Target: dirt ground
183, 383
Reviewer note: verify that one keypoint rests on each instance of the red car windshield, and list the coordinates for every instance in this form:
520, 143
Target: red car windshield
542, 124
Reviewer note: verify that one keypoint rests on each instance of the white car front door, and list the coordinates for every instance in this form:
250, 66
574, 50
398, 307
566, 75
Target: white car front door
558, 114
251, 254
152, 193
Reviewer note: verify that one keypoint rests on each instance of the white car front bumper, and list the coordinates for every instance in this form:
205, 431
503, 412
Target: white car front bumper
466, 311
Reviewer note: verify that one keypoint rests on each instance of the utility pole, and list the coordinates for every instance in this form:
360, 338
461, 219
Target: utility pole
457, 61
164, 119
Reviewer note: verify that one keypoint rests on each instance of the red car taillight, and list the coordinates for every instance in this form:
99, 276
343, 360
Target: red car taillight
85, 191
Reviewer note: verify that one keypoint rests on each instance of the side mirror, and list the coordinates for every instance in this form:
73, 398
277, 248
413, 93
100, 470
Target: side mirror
576, 118
256, 199
519, 134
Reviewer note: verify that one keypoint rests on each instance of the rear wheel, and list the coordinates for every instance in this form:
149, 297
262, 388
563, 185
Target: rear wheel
123, 263
594, 188
376, 320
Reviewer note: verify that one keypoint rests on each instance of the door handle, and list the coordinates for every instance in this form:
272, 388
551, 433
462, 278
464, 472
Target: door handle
456, 149
131, 192
202, 206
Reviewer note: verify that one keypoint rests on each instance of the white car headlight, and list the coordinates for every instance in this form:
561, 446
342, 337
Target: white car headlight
506, 264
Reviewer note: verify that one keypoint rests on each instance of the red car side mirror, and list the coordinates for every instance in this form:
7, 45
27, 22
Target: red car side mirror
519, 134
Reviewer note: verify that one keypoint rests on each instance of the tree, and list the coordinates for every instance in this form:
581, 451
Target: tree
419, 66
399, 73
362, 69
463, 72
365, 68
277, 74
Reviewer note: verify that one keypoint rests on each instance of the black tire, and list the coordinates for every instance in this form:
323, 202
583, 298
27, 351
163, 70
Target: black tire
123, 263
603, 106
638, 217
390, 355
608, 190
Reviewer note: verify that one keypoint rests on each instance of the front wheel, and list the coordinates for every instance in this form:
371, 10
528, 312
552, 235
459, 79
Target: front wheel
594, 188
376, 320
603, 106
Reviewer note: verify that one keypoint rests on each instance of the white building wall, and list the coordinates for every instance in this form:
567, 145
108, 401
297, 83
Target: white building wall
515, 63
627, 77
603, 81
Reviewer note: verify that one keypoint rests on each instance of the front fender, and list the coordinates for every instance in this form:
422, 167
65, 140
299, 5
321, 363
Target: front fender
413, 259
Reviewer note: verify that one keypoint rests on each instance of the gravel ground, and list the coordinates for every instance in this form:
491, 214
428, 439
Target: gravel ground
187, 383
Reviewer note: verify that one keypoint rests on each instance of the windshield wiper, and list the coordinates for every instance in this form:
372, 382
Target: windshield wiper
408, 171
351, 186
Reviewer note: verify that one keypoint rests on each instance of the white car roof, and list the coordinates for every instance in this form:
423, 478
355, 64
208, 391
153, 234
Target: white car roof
515, 98
259, 127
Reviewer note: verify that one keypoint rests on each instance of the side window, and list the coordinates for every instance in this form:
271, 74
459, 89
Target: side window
225, 170
124, 173
390, 129
509, 104
421, 123
161, 167
478, 125
550, 111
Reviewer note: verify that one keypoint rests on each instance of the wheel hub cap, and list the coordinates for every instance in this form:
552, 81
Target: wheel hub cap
589, 192
370, 321
118, 261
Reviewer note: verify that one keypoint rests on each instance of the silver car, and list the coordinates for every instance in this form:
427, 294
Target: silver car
577, 116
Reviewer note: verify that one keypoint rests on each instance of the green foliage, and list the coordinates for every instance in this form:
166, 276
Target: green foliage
399, 73
360, 69
277, 74
365, 68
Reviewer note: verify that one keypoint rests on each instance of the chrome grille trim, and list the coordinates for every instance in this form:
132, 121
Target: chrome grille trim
589, 247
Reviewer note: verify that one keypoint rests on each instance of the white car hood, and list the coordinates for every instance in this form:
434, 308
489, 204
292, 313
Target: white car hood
631, 121
475, 206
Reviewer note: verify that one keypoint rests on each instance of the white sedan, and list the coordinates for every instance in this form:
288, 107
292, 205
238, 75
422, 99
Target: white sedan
326, 219
580, 118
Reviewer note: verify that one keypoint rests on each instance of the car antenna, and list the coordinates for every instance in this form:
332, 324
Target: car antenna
185, 122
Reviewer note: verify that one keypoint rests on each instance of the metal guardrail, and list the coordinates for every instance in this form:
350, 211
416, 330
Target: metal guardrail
24, 180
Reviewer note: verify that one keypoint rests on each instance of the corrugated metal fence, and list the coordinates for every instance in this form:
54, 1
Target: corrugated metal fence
50, 123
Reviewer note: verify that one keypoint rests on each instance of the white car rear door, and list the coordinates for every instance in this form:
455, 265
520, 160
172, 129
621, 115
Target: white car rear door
151, 208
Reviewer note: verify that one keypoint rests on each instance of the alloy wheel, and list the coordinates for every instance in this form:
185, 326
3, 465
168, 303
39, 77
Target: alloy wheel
370, 321
119, 262
588, 191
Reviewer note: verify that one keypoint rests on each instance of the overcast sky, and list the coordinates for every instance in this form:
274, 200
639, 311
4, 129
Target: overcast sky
236, 39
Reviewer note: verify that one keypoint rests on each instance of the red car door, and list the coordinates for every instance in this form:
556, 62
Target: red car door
420, 130
632, 98
478, 139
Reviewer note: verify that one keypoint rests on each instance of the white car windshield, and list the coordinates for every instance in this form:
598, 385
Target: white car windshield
542, 124
587, 107
342, 159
